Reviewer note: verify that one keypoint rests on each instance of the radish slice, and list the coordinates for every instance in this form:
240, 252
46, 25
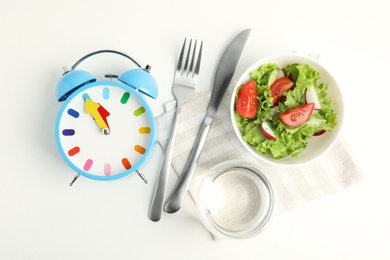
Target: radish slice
311, 97
320, 132
267, 131
280, 74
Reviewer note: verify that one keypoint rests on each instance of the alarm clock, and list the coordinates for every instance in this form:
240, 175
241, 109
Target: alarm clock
105, 129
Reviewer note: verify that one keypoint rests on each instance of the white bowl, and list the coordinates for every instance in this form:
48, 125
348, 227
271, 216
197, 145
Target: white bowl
317, 145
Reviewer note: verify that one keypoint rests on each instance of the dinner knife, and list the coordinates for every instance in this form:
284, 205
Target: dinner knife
223, 75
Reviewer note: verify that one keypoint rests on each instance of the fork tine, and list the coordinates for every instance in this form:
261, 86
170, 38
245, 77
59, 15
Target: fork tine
180, 61
188, 57
184, 65
197, 68
190, 70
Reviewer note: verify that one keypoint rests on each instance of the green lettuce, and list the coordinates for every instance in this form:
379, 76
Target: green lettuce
290, 141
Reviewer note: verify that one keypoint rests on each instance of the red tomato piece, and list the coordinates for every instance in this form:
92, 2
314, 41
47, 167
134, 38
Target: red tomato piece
247, 102
297, 115
279, 87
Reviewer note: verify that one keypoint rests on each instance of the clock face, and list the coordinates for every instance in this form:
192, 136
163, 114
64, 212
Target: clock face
105, 130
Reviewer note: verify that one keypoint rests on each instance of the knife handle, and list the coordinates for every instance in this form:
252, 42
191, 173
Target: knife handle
179, 192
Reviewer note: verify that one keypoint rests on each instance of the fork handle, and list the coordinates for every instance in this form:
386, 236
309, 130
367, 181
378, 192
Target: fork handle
179, 192
157, 204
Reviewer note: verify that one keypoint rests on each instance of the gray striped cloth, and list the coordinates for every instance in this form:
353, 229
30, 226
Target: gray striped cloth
332, 172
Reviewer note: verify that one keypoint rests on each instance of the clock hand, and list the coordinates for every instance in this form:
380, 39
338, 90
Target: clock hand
104, 114
99, 113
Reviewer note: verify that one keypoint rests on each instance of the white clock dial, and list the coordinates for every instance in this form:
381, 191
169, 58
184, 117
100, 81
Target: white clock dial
105, 131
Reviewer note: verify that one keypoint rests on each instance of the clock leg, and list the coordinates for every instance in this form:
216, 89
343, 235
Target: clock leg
140, 174
75, 179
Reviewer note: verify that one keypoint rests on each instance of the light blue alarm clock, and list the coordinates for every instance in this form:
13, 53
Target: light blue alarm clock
105, 130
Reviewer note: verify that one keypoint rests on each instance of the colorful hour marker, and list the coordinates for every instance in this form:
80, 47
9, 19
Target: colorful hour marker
85, 96
139, 149
73, 113
125, 97
144, 130
139, 111
68, 132
75, 150
88, 165
126, 163
107, 169
106, 93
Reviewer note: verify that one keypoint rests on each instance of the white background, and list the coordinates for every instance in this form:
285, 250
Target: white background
42, 217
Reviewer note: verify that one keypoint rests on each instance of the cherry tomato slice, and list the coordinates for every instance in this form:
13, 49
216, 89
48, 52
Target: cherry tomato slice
247, 102
279, 87
297, 115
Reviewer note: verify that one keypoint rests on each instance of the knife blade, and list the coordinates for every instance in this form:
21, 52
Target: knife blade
223, 75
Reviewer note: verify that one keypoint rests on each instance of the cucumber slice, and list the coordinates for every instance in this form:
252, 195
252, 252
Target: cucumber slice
273, 76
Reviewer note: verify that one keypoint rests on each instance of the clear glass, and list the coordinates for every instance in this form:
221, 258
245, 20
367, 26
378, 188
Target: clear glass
236, 200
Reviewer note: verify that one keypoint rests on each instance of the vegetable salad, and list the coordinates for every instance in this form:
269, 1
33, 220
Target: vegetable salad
278, 114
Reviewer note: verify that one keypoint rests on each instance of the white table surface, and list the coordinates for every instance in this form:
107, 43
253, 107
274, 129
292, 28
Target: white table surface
42, 217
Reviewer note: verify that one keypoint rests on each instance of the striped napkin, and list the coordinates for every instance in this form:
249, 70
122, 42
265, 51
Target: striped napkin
334, 171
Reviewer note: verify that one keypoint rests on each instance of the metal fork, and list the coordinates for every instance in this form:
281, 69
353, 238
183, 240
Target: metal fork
183, 89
